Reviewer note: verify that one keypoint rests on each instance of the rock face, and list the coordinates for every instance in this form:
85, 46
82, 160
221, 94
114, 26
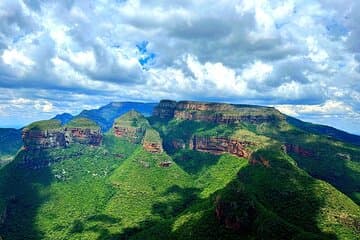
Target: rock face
165, 109
37, 139
219, 145
45, 135
215, 112
134, 127
132, 134
43, 139
152, 147
294, 148
83, 136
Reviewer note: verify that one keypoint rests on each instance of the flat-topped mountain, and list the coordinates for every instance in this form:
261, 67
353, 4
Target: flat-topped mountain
216, 112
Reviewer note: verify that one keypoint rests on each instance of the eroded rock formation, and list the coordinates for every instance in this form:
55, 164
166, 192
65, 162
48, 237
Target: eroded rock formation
132, 134
83, 136
220, 145
153, 147
215, 112
43, 139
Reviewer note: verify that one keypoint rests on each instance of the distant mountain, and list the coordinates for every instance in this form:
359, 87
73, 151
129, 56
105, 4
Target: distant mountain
105, 116
64, 118
325, 130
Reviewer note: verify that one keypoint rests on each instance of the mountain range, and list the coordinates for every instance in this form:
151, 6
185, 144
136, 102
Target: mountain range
179, 170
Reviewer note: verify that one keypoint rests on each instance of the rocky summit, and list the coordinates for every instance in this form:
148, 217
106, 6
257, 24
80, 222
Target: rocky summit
192, 170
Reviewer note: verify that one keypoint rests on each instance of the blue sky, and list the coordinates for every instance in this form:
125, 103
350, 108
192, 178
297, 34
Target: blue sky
64, 56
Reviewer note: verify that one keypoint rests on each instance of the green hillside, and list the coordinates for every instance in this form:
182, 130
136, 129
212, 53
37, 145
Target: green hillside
120, 191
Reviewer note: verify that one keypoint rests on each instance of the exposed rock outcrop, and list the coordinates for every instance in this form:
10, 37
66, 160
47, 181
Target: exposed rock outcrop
152, 147
134, 127
43, 139
133, 134
219, 145
215, 112
86, 136
297, 149
41, 136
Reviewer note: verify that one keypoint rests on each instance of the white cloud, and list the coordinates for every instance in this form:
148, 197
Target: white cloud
268, 52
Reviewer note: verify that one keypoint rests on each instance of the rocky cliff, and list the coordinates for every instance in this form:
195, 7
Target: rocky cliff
152, 141
134, 127
50, 134
215, 112
219, 145
41, 136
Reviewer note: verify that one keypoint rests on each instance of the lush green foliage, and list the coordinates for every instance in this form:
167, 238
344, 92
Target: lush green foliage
121, 191
81, 122
45, 125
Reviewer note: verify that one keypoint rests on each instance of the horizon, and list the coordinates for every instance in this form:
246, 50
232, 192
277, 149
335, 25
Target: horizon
152, 102
302, 58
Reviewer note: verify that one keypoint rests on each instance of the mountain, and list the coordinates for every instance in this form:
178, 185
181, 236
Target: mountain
325, 130
192, 170
105, 116
64, 117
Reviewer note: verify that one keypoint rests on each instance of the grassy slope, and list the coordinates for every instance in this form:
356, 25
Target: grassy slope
132, 196
80, 122
335, 162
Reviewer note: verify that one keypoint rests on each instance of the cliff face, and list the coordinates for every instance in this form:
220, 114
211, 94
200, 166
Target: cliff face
43, 139
215, 112
134, 127
132, 134
46, 139
219, 145
165, 109
83, 136
152, 147
45, 135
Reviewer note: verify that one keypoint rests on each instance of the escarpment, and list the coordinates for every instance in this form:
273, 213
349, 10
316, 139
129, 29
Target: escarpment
215, 112
134, 127
220, 145
41, 136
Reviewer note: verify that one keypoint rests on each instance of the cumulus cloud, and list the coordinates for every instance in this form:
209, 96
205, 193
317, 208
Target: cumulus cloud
287, 53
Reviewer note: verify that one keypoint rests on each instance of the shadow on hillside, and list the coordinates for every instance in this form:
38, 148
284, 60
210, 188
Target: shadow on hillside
330, 161
21, 188
194, 162
287, 205
99, 223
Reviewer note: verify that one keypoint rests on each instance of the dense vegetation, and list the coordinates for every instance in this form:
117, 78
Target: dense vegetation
80, 122
121, 191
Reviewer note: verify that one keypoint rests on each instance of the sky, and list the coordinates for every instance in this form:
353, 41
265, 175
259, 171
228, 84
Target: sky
301, 57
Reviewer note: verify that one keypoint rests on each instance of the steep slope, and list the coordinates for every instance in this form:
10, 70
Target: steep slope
325, 130
105, 116
64, 118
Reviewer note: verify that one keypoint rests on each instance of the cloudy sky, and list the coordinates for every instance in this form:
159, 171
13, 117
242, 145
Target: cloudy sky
64, 56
